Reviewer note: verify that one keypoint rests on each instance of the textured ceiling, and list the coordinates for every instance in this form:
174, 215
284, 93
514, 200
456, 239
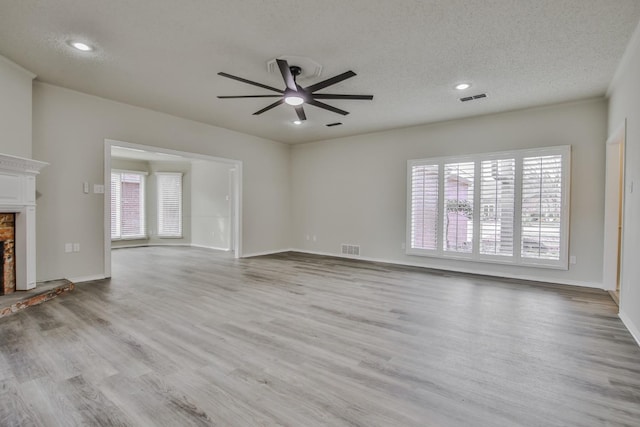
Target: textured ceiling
165, 55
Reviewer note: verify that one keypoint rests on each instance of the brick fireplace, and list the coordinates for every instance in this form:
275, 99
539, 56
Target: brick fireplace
18, 222
7, 259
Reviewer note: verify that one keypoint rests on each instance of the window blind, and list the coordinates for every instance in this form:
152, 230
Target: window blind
169, 204
541, 206
458, 207
127, 205
497, 201
424, 207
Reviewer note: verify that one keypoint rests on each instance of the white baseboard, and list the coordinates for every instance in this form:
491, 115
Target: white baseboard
633, 330
211, 247
81, 279
276, 251
145, 245
461, 270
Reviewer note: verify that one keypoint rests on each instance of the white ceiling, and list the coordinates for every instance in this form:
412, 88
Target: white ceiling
165, 55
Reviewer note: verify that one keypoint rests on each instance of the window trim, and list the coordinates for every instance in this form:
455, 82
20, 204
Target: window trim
475, 255
158, 207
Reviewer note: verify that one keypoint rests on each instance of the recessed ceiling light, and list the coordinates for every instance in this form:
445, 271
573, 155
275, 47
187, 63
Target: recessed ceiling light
81, 46
463, 86
297, 122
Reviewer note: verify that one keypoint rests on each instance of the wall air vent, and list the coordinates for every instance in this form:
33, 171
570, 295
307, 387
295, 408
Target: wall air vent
471, 98
333, 124
350, 249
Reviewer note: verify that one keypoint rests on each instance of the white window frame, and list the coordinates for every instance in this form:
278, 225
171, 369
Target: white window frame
143, 213
516, 258
160, 233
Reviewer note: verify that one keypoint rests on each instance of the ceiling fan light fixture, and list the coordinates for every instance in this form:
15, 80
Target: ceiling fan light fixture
294, 100
81, 46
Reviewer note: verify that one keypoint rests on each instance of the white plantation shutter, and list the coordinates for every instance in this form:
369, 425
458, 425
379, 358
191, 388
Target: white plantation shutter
169, 204
424, 207
497, 207
508, 207
541, 207
458, 207
127, 205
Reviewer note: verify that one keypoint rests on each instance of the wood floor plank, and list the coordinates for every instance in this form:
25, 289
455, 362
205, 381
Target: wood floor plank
188, 336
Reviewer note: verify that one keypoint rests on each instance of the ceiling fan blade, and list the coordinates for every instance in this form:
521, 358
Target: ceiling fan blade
269, 107
330, 81
330, 96
248, 96
240, 79
300, 111
286, 74
327, 107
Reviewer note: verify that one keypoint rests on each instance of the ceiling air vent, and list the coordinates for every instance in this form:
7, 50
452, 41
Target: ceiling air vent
471, 98
333, 124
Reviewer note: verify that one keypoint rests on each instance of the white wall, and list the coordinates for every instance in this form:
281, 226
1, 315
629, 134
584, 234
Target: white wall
15, 109
69, 129
353, 190
624, 103
210, 215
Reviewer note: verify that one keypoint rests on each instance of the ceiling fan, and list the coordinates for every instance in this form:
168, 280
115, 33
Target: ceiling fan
296, 95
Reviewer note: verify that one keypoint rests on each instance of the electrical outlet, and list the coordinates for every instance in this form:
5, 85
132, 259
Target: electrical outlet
76, 247
98, 189
68, 247
314, 238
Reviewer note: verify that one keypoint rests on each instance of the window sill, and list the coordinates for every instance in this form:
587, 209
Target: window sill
170, 237
487, 259
142, 237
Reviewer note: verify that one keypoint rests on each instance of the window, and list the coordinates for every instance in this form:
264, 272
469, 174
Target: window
458, 207
541, 206
169, 204
522, 197
497, 185
424, 206
127, 205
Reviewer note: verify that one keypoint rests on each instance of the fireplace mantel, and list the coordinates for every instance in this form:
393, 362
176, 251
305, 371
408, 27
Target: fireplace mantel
18, 195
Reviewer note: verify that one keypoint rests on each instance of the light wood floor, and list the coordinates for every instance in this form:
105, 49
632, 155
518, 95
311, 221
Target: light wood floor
186, 336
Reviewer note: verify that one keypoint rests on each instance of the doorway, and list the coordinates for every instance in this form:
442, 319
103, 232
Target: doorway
200, 166
613, 216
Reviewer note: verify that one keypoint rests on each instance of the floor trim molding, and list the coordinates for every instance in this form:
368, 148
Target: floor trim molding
458, 270
635, 333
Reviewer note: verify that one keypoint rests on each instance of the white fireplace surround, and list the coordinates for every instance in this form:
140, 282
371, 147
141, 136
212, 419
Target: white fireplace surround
18, 195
